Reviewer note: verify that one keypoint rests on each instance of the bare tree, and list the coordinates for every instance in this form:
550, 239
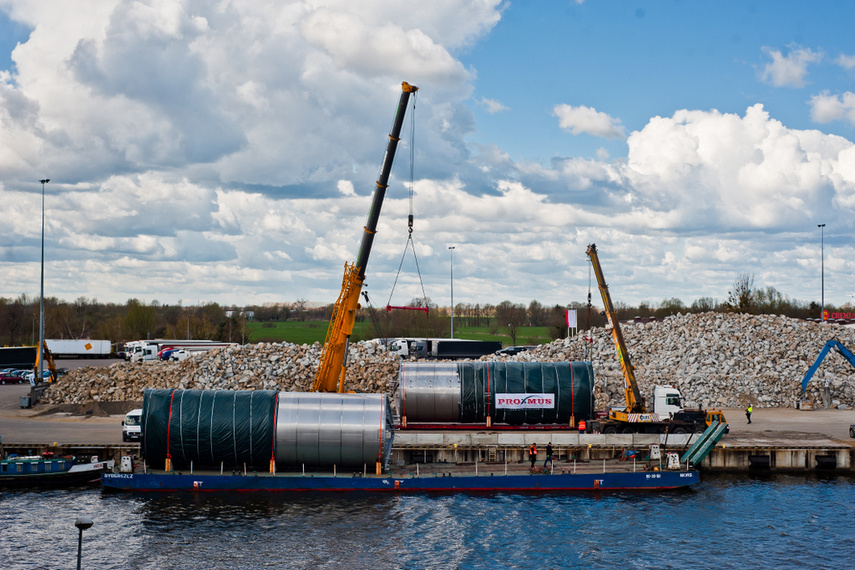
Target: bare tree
741, 297
510, 316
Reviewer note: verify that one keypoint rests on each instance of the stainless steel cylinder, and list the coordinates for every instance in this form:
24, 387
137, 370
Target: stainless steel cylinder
428, 392
325, 429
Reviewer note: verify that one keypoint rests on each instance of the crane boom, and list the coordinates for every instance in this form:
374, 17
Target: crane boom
836, 345
634, 402
332, 365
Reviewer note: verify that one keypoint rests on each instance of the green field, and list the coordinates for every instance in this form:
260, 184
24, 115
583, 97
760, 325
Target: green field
308, 332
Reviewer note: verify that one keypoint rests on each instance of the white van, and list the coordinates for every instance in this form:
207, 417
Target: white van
131, 426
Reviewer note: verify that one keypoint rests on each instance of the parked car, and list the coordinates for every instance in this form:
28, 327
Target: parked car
511, 350
11, 379
30, 374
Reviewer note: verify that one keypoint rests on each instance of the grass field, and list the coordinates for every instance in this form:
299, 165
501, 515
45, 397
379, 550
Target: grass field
308, 332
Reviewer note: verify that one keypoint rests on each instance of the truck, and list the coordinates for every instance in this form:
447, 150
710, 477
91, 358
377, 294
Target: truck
78, 348
17, 356
442, 348
132, 425
668, 414
154, 350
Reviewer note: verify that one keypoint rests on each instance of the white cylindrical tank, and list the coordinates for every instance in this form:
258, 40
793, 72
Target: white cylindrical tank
315, 429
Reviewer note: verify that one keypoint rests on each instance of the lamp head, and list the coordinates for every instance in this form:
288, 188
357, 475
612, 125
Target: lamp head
83, 523
45, 180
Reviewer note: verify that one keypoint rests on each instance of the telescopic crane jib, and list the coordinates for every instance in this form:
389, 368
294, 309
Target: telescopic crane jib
332, 365
634, 402
668, 413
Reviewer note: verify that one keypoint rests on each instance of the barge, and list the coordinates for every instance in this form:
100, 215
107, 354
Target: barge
611, 475
220, 440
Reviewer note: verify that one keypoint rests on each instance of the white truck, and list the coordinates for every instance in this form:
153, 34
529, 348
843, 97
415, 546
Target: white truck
669, 414
132, 425
78, 348
441, 348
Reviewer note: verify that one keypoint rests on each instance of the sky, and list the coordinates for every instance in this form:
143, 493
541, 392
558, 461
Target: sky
227, 151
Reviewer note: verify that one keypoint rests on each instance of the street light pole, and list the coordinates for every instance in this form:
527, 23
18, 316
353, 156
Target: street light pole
82, 523
41, 349
822, 270
451, 248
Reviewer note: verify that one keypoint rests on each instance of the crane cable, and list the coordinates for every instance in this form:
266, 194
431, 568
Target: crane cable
589, 336
410, 244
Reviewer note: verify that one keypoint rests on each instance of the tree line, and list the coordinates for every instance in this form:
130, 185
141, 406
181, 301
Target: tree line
134, 320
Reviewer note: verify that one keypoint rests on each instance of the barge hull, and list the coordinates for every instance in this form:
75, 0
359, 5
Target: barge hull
659, 480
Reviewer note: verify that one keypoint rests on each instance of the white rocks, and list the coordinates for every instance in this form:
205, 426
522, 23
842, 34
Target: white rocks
721, 360
717, 360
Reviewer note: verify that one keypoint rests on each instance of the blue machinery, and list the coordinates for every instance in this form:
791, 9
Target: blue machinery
835, 344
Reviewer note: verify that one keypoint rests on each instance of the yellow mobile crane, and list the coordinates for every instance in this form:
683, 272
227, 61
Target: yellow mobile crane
668, 412
51, 366
333, 365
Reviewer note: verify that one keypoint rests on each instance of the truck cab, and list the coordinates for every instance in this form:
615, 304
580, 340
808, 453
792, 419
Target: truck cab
667, 401
406, 348
132, 425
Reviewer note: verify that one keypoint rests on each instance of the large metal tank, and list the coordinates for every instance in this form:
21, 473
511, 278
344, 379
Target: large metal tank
429, 390
214, 428
333, 429
507, 392
207, 427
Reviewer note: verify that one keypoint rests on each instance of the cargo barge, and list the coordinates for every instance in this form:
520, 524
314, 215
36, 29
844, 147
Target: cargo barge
614, 476
220, 440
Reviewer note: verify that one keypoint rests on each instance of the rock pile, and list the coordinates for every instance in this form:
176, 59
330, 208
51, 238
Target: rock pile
714, 359
718, 360
263, 366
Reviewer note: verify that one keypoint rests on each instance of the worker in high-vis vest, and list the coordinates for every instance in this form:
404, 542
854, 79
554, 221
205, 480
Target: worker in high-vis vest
748, 412
532, 454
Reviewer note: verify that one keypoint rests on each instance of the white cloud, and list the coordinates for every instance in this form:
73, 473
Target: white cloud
345, 187
846, 61
825, 107
587, 120
788, 70
492, 105
702, 169
227, 151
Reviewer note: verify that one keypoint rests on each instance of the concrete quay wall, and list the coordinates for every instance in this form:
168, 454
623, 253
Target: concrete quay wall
498, 447
772, 458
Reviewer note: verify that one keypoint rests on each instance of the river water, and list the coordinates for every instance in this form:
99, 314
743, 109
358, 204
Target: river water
783, 521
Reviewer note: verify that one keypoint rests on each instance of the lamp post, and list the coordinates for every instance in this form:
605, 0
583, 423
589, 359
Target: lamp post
41, 348
451, 249
822, 269
82, 523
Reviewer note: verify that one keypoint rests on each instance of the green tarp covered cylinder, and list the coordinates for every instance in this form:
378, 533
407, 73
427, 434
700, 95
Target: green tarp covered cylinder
248, 428
209, 427
508, 392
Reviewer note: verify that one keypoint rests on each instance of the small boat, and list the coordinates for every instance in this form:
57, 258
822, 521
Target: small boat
611, 476
48, 470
